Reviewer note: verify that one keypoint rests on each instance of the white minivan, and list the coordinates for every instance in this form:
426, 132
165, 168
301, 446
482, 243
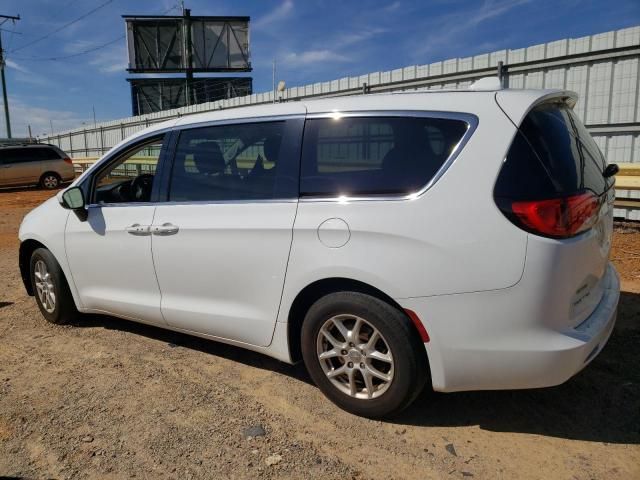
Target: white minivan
456, 237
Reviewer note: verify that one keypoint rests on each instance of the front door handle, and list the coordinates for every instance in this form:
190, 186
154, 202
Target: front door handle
137, 229
164, 229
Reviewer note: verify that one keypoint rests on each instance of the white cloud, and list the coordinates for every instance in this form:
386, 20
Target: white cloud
77, 46
492, 9
279, 13
15, 66
309, 57
392, 7
357, 37
111, 60
330, 51
452, 28
24, 75
39, 117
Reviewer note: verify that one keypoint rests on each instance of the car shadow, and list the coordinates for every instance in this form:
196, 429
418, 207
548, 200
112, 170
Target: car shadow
182, 340
600, 404
34, 188
28, 188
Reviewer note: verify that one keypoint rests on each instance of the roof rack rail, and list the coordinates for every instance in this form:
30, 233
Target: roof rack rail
18, 141
24, 144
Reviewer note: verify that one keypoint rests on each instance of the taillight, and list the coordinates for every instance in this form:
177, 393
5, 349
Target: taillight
556, 217
68, 160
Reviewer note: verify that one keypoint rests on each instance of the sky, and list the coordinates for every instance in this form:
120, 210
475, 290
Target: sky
311, 41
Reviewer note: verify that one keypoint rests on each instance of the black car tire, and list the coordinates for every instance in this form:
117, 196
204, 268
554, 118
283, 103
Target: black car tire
50, 181
410, 364
64, 308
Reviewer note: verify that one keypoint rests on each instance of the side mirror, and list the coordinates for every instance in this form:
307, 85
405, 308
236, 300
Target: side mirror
73, 199
611, 170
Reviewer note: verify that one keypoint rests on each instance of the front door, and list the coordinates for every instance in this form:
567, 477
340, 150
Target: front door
221, 242
110, 253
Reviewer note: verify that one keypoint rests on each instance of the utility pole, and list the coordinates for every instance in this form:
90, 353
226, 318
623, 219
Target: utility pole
273, 79
186, 20
4, 82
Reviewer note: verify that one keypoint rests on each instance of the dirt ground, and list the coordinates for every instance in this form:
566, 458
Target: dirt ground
107, 398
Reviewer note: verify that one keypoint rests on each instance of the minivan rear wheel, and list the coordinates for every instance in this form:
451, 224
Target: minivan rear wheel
363, 354
50, 181
50, 287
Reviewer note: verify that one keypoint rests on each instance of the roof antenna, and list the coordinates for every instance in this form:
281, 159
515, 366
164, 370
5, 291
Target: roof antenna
486, 84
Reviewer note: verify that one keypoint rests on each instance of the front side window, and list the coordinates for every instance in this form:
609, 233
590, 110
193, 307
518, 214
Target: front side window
231, 162
375, 155
130, 178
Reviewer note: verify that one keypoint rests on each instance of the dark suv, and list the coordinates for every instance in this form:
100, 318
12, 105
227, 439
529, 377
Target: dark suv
45, 165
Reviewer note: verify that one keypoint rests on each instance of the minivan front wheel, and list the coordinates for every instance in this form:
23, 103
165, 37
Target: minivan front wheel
50, 181
363, 354
50, 288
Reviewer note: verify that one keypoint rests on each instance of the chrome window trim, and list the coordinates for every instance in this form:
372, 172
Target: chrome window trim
178, 129
111, 154
141, 140
470, 119
235, 121
193, 202
230, 121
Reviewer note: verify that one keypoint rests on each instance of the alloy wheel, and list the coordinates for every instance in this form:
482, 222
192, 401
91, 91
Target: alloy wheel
50, 181
44, 286
355, 356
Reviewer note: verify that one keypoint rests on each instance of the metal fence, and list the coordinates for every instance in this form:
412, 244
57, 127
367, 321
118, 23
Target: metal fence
604, 69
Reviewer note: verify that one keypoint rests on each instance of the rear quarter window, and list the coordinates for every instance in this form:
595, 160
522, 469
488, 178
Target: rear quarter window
49, 154
375, 155
551, 155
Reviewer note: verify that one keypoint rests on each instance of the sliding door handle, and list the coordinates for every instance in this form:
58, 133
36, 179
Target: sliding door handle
164, 229
137, 229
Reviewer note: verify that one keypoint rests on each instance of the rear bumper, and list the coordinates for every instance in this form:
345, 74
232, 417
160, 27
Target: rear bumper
68, 175
494, 340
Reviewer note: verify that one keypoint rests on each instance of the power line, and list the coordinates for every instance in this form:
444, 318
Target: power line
65, 6
77, 54
84, 52
68, 24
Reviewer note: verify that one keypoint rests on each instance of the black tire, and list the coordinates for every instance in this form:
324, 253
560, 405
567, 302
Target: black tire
410, 364
64, 307
50, 181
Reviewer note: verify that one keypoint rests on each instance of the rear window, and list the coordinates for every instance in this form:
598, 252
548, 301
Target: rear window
552, 154
375, 155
